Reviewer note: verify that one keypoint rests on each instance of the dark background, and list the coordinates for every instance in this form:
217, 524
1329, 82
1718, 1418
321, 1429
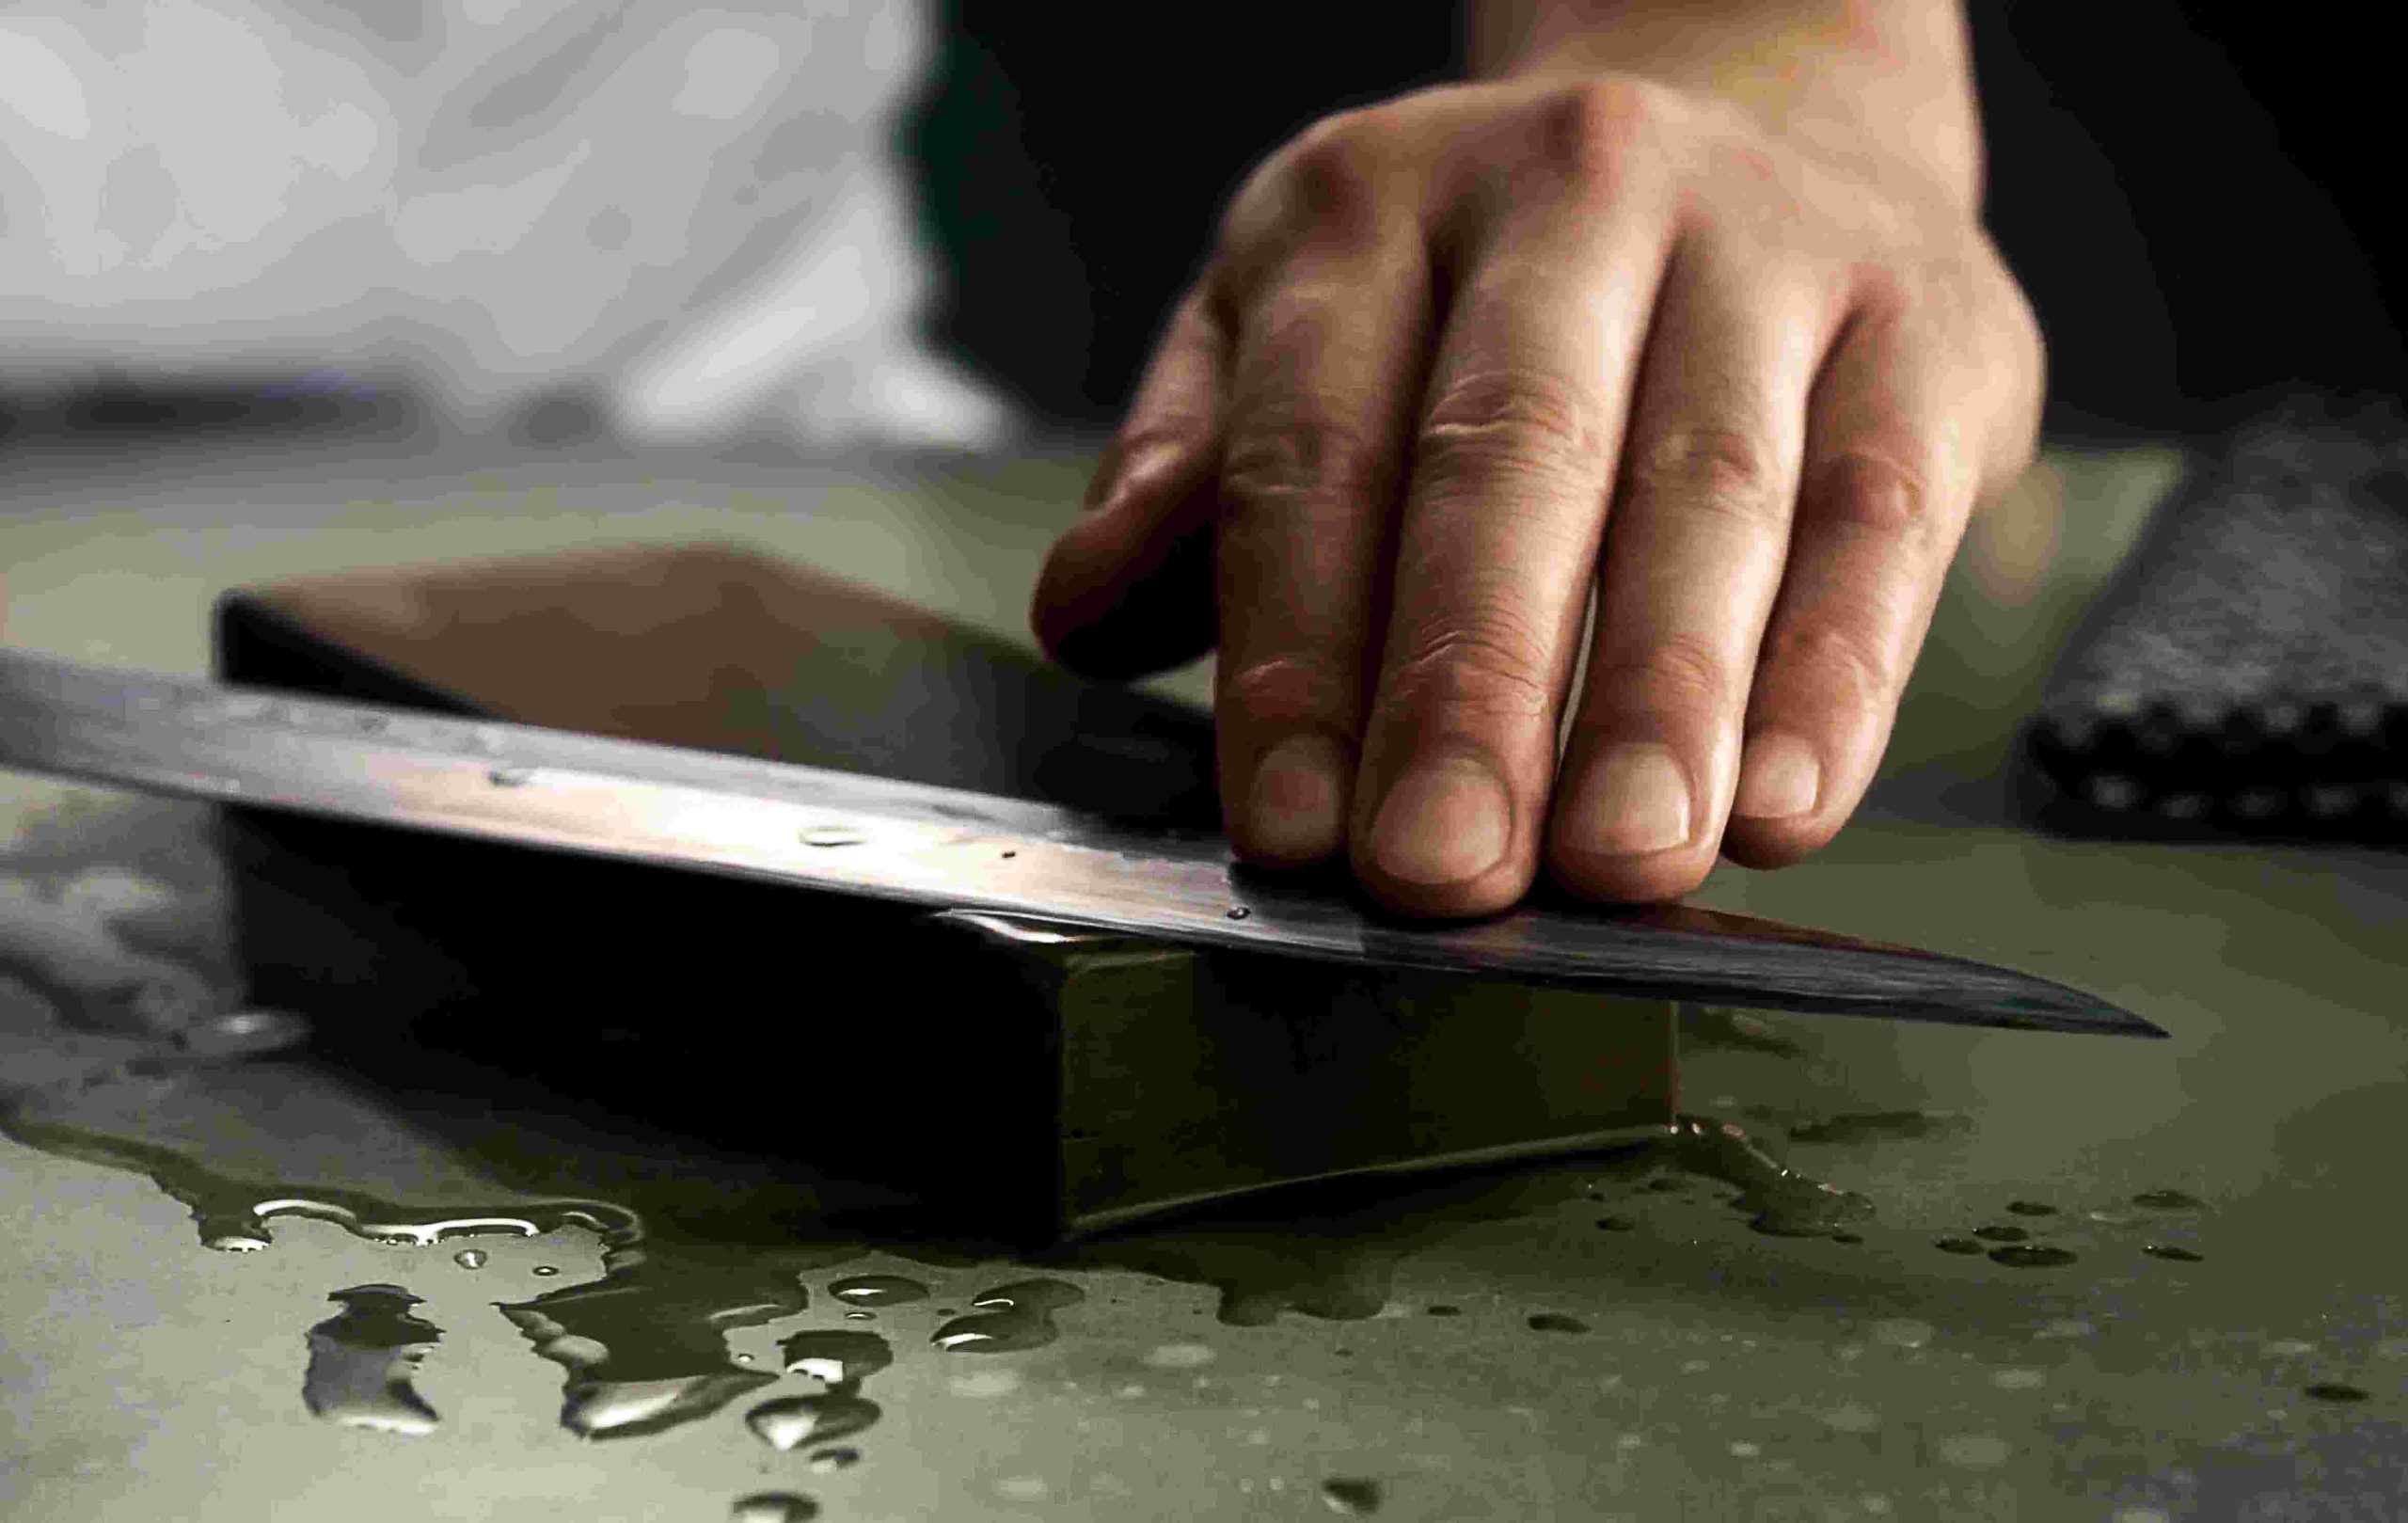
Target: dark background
2191, 194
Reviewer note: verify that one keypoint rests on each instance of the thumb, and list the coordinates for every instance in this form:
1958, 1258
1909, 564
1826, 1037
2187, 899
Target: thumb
1129, 589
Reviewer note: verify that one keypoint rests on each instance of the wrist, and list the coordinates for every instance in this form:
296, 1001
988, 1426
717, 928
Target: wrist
1884, 86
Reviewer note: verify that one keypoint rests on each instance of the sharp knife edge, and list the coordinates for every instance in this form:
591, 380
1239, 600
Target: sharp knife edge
922, 844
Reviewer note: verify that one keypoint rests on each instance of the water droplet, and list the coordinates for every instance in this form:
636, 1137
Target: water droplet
470, 1258
1780, 1201
1615, 1223
1742, 1450
2031, 1255
2017, 1379
791, 1421
1239, 912
2284, 1348
1851, 1417
2031, 1208
2330, 1390
877, 1290
840, 1356
861, 1316
829, 836
1957, 1244
773, 1507
1180, 1356
239, 1033
828, 1461
744, 1358
1024, 1488
1556, 1321
1354, 1497
510, 777
2166, 1201
547, 1271
362, 1360
2173, 1251
642, 1355
2001, 1232
1016, 1316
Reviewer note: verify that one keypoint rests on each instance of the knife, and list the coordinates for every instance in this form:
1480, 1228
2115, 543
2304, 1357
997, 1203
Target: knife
851, 833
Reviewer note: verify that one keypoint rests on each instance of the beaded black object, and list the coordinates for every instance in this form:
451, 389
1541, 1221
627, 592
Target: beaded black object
2245, 672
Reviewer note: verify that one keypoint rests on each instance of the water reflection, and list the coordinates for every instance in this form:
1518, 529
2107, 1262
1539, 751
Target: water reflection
363, 1359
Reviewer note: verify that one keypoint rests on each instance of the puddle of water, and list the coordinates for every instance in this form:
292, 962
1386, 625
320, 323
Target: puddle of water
363, 1359
878, 1290
773, 1507
1353, 1498
695, 1247
1010, 1318
793, 1422
836, 1356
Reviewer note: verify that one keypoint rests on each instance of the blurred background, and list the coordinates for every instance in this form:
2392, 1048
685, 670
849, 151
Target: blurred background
957, 221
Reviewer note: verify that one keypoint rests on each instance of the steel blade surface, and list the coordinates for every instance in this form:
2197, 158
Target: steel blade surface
852, 834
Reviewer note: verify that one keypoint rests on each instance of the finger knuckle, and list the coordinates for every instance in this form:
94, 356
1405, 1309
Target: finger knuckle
1301, 458
1681, 674
1727, 471
1871, 489
1513, 422
1291, 689
1484, 667
1592, 131
1332, 184
1831, 667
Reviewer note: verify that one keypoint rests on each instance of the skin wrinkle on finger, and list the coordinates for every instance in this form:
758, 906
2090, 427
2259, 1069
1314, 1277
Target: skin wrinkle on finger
1887, 493
1691, 568
1497, 541
1320, 390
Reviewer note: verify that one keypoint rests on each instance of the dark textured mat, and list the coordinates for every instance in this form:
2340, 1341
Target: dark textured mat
2246, 672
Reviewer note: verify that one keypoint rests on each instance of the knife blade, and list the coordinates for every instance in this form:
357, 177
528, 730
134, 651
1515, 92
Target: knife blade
852, 834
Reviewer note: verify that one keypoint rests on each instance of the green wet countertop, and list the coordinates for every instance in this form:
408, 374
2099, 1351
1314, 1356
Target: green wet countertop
1259, 1365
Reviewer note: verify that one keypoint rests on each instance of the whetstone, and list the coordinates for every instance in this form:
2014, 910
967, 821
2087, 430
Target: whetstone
1028, 1078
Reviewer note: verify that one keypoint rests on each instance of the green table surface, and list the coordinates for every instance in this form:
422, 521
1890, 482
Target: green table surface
1262, 1364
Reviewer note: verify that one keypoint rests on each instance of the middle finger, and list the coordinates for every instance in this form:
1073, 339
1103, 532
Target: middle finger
1694, 548
1516, 452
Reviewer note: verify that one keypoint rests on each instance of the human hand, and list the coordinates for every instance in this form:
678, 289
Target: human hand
1462, 355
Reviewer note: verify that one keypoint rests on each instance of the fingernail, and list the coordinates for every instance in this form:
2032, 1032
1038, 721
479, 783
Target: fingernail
1297, 799
1634, 800
1779, 777
1444, 821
